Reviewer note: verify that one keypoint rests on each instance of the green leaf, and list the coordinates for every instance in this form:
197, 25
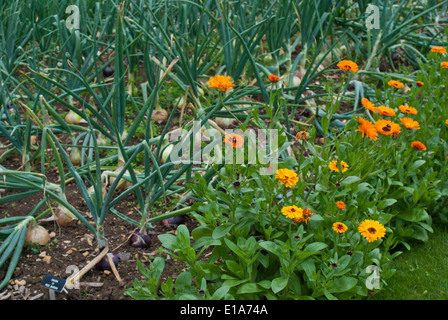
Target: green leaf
420, 233
386, 203
271, 247
266, 284
315, 246
183, 234
413, 214
234, 267
220, 293
417, 164
249, 288
234, 282
279, 284
342, 284
183, 282
325, 124
168, 241
201, 231
221, 231
350, 180
328, 295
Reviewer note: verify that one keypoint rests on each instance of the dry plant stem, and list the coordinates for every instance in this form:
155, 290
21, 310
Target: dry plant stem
114, 269
90, 265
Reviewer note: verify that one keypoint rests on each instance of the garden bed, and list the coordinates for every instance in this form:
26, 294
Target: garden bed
71, 248
354, 114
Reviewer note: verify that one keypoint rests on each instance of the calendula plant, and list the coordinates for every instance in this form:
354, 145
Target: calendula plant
324, 222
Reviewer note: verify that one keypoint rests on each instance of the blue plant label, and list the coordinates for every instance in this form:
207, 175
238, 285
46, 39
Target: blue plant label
53, 283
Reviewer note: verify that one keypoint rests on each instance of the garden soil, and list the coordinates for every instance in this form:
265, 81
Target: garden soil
71, 248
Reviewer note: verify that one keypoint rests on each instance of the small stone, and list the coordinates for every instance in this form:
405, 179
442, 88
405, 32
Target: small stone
85, 254
47, 259
107, 272
42, 254
67, 241
20, 282
52, 234
123, 256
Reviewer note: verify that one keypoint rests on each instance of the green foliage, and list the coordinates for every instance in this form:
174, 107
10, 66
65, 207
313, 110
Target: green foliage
162, 54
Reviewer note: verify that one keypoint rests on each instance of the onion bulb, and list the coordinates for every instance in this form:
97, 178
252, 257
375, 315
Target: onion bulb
108, 71
159, 115
139, 239
180, 102
225, 122
91, 192
104, 263
73, 118
64, 217
36, 234
174, 221
296, 81
123, 184
75, 156
166, 153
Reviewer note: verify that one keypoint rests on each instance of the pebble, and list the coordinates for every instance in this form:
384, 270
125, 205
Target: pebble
47, 259
123, 256
20, 282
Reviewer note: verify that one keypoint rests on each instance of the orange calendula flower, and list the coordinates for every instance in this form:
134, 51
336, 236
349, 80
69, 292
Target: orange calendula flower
418, 145
340, 205
410, 123
273, 78
233, 139
306, 216
368, 105
302, 135
348, 65
339, 227
419, 83
438, 49
372, 230
367, 128
446, 121
444, 64
395, 83
334, 166
221, 83
287, 177
386, 111
292, 212
387, 127
407, 109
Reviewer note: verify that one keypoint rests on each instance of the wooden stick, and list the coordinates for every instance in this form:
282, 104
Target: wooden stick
114, 269
90, 265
